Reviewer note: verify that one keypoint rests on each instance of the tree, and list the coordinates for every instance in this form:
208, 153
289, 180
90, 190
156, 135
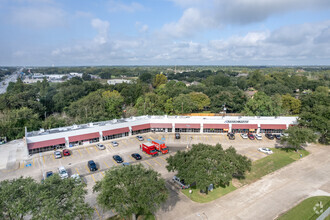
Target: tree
146, 77
131, 190
183, 104
290, 104
200, 100
114, 102
86, 77
62, 199
18, 198
262, 105
298, 136
206, 164
159, 80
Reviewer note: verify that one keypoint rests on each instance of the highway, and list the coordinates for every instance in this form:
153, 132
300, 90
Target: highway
8, 79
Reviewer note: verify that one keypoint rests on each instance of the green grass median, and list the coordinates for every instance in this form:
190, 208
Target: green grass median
260, 168
305, 209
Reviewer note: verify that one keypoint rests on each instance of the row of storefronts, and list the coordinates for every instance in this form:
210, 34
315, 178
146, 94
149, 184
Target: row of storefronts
82, 136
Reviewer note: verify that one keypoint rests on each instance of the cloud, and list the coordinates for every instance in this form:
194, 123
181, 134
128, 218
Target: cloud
142, 28
103, 28
37, 14
212, 14
118, 6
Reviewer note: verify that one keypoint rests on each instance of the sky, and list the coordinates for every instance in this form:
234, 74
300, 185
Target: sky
164, 32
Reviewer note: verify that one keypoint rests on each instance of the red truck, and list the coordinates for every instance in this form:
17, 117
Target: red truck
149, 148
160, 146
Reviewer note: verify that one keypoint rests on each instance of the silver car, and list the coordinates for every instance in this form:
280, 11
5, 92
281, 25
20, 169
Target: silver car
265, 150
100, 146
57, 154
114, 143
63, 173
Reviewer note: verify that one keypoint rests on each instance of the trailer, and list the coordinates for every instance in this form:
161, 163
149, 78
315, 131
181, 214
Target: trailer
149, 148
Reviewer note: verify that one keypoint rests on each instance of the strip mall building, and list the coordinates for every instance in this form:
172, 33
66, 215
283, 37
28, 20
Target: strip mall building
45, 140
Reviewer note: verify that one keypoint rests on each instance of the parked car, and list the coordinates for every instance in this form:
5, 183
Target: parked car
231, 136
265, 150
269, 136
180, 182
114, 143
100, 146
277, 136
140, 138
136, 156
66, 152
92, 165
76, 177
258, 137
118, 158
57, 154
251, 136
177, 136
49, 174
125, 164
63, 173
244, 136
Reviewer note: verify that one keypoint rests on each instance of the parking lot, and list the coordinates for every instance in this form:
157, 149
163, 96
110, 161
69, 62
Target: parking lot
76, 163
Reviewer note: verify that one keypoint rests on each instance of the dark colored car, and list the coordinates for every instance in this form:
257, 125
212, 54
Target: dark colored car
269, 136
177, 136
49, 174
251, 136
278, 136
118, 159
231, 136
136, 156
92, 165
66, 152
180, 182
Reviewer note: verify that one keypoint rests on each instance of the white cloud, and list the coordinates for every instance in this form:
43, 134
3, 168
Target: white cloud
103, 28
118, 6
142, 28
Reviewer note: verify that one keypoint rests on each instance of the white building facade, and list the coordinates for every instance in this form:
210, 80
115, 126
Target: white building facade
39, 141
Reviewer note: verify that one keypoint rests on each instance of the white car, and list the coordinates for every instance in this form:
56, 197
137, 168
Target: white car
114, 143
57, 154
244, 136
100, 146
63, 173
76, 177
265, 150
258, 136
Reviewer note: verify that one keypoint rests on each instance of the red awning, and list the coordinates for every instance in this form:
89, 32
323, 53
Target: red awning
140, 127
187, 126
216, 126
160, 125
115, 131
47, 143
84, 137
244, 126
263, 126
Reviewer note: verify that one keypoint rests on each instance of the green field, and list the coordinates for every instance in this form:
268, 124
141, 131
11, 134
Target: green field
305, 209
275, 161
260, 168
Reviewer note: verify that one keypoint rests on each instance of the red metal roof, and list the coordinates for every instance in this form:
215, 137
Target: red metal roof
216, 126
278, 126
84, 137
115, 131
160, 125
47, 143
244, 126
140, 127
180, 125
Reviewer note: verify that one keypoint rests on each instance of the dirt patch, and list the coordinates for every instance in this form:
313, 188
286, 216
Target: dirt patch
236, 183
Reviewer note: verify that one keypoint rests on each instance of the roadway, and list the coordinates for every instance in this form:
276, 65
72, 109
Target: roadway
11, 78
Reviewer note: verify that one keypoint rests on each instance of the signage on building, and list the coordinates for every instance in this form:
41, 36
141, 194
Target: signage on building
236, 121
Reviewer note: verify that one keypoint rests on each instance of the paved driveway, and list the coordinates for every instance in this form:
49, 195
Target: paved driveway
264, 199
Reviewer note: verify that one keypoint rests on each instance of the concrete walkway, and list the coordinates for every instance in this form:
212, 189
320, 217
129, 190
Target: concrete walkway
264, 199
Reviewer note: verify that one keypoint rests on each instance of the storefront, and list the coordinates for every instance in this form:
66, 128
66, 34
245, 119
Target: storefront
161, 127
116, 133
46, 145
84, 139
195, 128
140, 129
244, 128
269, 128
215, 128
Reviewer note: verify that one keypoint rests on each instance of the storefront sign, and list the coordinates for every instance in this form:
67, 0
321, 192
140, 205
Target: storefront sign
235, 122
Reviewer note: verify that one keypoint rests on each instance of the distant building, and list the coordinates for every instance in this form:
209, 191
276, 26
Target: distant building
76, 74
118, 81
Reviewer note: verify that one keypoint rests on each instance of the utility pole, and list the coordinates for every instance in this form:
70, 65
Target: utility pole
182, 107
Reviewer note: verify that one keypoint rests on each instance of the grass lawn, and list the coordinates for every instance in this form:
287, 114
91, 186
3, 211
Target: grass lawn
275, 161
260, 168
196, 196
304, 210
